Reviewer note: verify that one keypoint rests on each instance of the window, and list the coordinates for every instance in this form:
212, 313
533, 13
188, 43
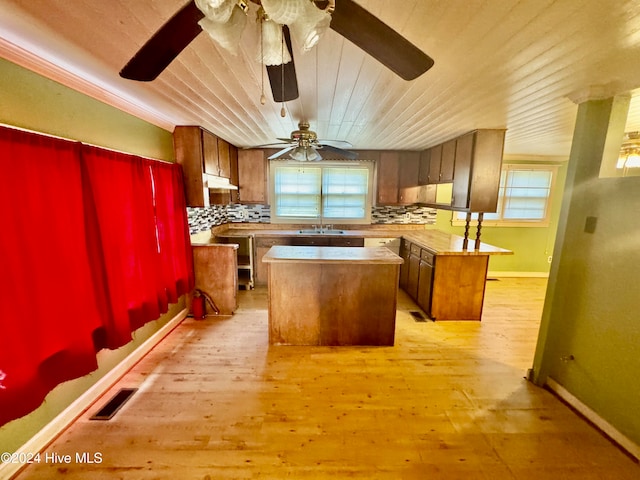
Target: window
523, 198
329, 192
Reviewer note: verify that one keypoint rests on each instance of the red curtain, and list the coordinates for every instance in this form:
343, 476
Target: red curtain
48, 310
172, 229
94, 244
118, 187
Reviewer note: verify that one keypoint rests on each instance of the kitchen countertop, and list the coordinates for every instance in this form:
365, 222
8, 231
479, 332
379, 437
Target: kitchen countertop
440, 243
359, 255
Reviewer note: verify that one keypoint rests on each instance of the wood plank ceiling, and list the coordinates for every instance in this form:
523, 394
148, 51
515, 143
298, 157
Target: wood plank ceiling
511, 64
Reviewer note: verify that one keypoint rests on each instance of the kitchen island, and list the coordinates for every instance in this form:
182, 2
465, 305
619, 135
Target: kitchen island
332, 295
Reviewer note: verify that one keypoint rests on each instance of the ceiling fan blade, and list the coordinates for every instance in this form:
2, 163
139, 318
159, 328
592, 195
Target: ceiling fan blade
336, 143
281, 152
343, 153
284, 92
267, 145
165, 45
379, 40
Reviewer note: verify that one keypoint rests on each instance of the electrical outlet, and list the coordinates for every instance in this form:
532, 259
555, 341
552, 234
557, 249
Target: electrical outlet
549, 258
407, 216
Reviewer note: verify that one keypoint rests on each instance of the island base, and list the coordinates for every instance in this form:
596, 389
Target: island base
332, 304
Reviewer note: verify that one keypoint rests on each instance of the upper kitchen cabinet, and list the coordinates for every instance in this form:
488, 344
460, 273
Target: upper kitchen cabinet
224, 159
397, 178
439, 168
408, 177
448, 162
252, 176
477, 175
199, 152
464, 173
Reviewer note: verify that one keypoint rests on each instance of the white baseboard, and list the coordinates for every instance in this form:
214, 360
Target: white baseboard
50, 431
594, 418
518, 274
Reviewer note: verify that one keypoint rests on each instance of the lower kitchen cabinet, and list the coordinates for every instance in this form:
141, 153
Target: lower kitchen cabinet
425, 285
446, 287
413, 277
263, 244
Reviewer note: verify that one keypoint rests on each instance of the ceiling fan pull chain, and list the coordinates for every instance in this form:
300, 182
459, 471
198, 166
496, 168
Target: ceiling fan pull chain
263, 99
283, 112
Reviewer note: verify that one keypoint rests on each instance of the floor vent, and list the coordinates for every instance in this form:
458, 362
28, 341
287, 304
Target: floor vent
492, 280
418, 316
115, 404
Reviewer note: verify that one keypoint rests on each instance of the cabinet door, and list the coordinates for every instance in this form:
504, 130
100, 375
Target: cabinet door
210, 153
387, 191
425, 282
252, 176
414, 275
409, 167
435, 158
447, 163
485, 174
224, 159
464, 155
187, 142
404, 268
233, 173
423, 171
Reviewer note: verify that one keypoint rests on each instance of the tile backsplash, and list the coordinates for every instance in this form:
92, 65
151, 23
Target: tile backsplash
203, 218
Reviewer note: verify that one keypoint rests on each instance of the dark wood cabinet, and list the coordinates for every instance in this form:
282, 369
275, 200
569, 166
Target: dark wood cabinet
409, 168
224, 158
471, 163
477, 182
397, 174
446, 287
388, 180
198, 151
423, 170
435, 158
404, 268
448, 162
425, 281
413, 277
252, 176
210, 153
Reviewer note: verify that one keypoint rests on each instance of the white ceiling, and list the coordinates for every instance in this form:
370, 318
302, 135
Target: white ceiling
498, 64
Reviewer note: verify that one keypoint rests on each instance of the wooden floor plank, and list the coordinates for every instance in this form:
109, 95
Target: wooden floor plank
448, 401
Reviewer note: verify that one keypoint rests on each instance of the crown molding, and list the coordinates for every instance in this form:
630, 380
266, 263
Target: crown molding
90, 87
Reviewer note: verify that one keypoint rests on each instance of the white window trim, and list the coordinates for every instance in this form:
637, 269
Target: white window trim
324, 163
457, 221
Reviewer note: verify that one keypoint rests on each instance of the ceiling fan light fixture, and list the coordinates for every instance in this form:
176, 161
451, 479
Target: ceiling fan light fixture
309, 28
226, 34
283, 12
272, 51
305, 154
216, 10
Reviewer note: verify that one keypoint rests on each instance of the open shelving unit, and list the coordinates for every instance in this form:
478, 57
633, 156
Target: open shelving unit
245, 259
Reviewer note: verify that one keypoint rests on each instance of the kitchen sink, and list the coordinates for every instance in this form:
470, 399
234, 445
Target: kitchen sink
322, 232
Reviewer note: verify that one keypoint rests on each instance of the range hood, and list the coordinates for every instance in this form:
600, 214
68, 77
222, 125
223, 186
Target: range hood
215, 182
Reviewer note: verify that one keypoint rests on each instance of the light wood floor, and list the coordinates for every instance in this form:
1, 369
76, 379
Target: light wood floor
447, 401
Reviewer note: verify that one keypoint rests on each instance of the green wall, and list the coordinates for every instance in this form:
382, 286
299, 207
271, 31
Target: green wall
33, 102
30, 101
531, 246
589, 338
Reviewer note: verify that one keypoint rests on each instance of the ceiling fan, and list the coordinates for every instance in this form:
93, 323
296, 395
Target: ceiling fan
304, 146
348, 19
